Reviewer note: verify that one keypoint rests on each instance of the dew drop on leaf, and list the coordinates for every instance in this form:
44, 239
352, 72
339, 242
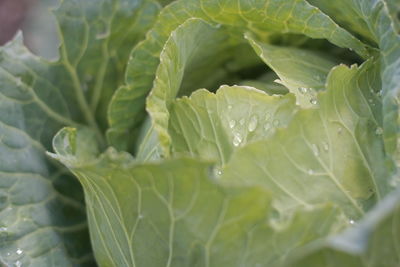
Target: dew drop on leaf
253, 123
313, 101
303, 90
19, 251
379, 131
310, 171
237, 139
241, 121
232, 123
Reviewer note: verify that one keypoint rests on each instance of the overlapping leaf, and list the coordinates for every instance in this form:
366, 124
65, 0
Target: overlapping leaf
42, 217
260, 17
176, 211
372, 20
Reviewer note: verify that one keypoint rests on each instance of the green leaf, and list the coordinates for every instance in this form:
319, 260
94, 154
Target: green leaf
213, 126
262, 18
302, 71
333, 153
175, 210
372, 19
372, 242
42, 216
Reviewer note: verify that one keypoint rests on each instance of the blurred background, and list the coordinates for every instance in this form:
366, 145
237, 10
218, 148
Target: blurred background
36, 21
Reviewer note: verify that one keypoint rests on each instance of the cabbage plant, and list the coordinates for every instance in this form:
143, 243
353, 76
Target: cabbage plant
204, 133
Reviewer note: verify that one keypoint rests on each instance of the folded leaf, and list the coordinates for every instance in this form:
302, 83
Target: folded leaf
372, 19
302, 71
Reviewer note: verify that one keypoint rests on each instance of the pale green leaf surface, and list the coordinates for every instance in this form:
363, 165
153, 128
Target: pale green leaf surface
176, 211
374, 242
336, 153
374, 17
42, 216
260, 17
302, 71
211, 126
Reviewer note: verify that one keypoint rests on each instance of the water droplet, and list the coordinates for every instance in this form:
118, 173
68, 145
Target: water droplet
303, 90
380, 93
232, 123
252, 123
325, 146
276, 123
19, 251
352, 222
310, 171
315, 149
313, 101
141, 216
379, 131
230, 107
339, 131
18, 264
217, 172
237, 139
351, 49
3, 229
267, 126
242, 121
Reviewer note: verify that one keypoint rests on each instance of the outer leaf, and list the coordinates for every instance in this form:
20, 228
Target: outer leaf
174, 210
212, 126
373, 242
303, 72
333, 153
260, 17
42, 218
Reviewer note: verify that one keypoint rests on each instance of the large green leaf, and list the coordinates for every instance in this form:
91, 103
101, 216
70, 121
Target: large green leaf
373, 242
42, 217
372, 19
212, 125
263, 18
332, 153
176, 211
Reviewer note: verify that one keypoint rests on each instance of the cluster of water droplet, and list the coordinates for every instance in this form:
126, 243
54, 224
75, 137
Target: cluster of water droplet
309, 93
252, 125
